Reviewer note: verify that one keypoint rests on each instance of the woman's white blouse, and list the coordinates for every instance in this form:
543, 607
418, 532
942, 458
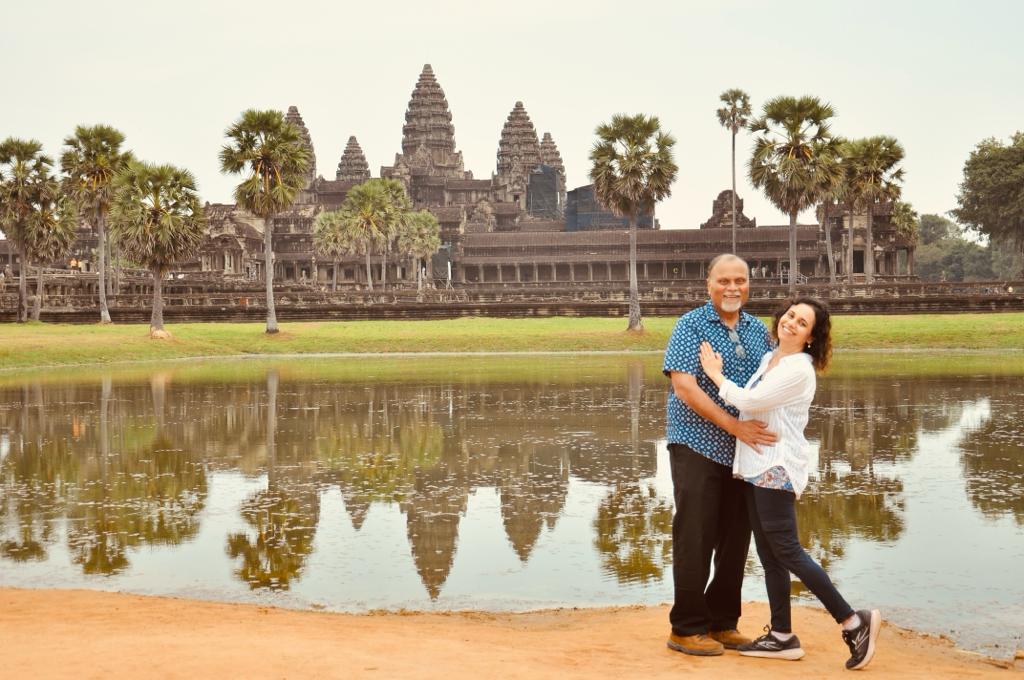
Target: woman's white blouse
783, 399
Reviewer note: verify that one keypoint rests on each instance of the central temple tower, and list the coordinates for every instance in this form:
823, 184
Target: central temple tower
428, 136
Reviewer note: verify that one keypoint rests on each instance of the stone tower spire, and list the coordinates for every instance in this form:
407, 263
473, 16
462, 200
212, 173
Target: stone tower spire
428, 136
295, 119
518, 149
353, 166
549, 154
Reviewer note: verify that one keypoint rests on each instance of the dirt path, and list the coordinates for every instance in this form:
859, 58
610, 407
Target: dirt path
84, 634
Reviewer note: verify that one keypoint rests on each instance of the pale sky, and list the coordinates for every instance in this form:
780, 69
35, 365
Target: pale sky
939, 76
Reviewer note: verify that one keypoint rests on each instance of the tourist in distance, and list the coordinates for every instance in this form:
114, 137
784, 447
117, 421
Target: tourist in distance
775, 474
710, 512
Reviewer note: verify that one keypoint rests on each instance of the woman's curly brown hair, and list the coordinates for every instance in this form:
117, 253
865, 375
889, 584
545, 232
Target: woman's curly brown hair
820, 347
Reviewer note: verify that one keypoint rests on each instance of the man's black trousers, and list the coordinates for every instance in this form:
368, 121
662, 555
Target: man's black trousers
710, 520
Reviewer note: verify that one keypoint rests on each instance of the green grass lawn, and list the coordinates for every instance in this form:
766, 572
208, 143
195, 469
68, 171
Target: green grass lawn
35, 344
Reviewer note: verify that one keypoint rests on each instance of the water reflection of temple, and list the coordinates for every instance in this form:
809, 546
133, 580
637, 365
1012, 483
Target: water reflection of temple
126, 464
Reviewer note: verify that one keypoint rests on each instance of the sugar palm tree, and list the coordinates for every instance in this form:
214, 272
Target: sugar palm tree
23, 172
734, 116
270, 152
632, 170
375, 208
336, 235
830, 191
905, 219
91, 158
419, 237
873, 175
50, 233
398, 207
157, 221
785, 163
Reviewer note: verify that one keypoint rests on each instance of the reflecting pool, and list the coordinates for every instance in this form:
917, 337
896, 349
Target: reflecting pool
492, 483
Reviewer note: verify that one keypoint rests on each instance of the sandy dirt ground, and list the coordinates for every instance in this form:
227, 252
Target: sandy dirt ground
84, 634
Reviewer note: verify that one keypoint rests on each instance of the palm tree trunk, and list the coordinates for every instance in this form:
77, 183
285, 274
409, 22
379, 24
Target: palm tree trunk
334, 282
869, 247
792, 253
272, 380
734, 192
268, 265
369, 271
384, 271
419, 273
635, 321
117, 269
37, 308
156, 321
828, 245
110, 267
849, 249
101, 268
22, 287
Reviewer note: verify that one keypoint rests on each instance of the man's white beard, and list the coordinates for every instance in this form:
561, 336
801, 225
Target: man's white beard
731, 305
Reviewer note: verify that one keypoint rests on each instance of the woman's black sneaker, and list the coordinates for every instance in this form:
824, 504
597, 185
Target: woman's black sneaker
770, 647
861, 640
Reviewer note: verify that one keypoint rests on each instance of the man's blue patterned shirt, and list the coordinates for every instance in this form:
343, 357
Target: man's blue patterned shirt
683, 354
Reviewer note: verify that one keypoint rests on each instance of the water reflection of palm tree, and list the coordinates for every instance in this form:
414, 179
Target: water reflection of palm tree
840, 507
151, 494
32, 477
283, 517
634, 533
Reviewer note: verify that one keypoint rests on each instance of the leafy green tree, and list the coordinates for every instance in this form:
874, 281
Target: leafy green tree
23, 172
991, 197
91, 158
50, 233
271, 154
157, 221
936, 228
1007, 261
419, 237
787, 159
953, 259
632, 169
873, 175
734, 116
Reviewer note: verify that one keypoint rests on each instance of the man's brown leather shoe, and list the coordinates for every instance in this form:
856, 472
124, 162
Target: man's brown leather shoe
730, 639
698, 645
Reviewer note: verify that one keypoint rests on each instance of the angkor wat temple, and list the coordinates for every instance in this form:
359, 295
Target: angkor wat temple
518, 226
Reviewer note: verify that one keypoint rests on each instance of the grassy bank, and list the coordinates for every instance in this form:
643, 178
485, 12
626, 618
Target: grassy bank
36, 345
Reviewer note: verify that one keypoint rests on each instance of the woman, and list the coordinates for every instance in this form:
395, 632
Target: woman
780, 393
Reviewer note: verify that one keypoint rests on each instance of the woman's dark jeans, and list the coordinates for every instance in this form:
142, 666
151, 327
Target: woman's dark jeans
773, 520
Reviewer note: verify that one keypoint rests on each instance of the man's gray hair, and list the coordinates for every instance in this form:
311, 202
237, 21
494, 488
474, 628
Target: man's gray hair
725, 257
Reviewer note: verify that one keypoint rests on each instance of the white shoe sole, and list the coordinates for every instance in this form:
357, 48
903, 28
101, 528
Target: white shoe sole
875, 627
785, 655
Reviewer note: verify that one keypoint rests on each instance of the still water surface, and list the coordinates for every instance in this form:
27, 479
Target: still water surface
489, 483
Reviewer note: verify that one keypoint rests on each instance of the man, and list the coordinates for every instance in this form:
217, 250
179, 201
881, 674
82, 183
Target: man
711, 516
